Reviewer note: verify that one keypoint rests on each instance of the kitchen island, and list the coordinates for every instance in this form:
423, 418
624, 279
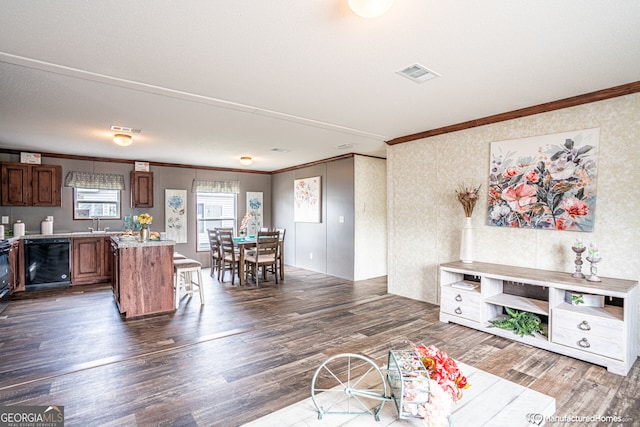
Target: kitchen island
142, 276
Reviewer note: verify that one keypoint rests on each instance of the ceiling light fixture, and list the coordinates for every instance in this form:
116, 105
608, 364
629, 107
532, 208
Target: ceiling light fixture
370, 8
246, 161
122, 139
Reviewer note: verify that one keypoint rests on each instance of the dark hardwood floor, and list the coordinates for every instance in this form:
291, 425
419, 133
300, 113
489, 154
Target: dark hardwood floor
249, 351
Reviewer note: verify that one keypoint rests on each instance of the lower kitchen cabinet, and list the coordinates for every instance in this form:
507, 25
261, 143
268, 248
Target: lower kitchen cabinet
16, 267
90, 260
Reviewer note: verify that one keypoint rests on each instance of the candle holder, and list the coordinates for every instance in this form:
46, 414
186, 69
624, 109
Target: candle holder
578, 274
594, 269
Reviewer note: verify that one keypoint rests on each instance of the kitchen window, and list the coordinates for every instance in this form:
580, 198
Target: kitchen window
96, 203
214, 210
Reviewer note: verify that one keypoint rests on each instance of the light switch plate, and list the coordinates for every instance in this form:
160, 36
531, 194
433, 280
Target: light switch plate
5, 220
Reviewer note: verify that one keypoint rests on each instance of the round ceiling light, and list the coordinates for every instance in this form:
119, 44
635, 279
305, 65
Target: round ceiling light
370, 8
122, 139
245, 160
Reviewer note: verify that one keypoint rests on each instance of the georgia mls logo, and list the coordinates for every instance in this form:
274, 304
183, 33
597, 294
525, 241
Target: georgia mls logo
32, 416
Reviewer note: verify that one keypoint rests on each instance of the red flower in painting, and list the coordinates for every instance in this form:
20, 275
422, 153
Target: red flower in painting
575, 207
520, 196
510, 171
532, 176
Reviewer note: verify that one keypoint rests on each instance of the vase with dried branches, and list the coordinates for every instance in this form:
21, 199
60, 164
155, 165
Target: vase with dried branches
467, 196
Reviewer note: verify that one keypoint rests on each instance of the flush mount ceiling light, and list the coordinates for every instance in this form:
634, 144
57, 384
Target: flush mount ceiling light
246, 161
370, 8
122, 139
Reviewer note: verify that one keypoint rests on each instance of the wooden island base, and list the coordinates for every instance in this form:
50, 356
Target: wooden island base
142, 277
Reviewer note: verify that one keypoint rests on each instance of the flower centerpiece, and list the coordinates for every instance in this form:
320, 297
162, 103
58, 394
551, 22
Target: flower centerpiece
244, 224
444, 370
468, 196
145, 221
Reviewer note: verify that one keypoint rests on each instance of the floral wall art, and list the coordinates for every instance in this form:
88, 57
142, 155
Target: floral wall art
544, 182
306, 197
175, 214
254, 209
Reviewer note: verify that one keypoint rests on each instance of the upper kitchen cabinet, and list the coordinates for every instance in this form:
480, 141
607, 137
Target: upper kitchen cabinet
31, 185
141, 189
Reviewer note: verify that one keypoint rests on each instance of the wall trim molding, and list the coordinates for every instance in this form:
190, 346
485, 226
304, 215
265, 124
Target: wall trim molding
178, 165
601, 95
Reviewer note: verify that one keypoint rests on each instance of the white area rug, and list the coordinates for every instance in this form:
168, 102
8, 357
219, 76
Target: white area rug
490, 401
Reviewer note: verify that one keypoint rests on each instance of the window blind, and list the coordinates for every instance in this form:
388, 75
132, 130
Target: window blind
210, 186
106, 181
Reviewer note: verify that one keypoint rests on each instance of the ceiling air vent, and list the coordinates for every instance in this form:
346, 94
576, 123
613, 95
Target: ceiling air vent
345, 146
418, 73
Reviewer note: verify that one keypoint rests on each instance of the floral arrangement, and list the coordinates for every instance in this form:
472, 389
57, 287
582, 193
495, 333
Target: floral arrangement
443, 370
145, 219
468, 197
245, 221
422, 397
434, 413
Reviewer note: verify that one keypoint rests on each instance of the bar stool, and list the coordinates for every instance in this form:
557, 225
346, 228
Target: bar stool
184, 270
176, 255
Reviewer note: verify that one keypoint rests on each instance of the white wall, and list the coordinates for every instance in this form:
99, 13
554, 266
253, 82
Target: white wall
425, 219
370, 227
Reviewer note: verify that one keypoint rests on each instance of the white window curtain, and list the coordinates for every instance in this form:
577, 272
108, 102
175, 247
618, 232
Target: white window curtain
106, 181
210, 186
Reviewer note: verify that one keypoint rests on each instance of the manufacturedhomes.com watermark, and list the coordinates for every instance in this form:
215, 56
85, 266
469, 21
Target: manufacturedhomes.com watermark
31, 416
539, 419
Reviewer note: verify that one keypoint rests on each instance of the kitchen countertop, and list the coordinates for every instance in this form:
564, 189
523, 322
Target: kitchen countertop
135, 243
65, 234
114, 235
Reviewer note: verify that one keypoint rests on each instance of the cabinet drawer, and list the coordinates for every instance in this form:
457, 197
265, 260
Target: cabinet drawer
581, 340
601, 326
595, 334
461, 303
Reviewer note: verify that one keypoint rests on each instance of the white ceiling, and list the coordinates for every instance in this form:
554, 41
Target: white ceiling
208, 81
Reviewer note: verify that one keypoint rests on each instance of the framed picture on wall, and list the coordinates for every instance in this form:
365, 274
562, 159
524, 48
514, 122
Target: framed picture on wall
175, 214
544, 182
307, 201
254, 208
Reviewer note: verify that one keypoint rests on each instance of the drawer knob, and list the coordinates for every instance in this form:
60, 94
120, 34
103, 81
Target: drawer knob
584, 326
458, 310
584, 343
458, 297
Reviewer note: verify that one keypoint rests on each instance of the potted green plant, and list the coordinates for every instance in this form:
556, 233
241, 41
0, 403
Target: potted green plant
520, 322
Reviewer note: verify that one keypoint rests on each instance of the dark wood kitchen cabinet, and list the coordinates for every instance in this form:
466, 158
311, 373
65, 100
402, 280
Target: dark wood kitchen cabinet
16, 267
141, 189
26, 184
90, 260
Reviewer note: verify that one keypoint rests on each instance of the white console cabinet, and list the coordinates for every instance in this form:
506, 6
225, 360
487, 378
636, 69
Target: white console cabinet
473, 294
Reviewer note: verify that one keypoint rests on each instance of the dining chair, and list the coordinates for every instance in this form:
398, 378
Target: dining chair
214, 251
229, 256
280, 257
264, 256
